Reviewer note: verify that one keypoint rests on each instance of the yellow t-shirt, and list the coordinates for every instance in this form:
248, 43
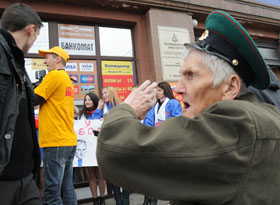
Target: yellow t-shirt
56, 116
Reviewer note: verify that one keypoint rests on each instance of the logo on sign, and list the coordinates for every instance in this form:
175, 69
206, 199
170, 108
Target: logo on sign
76, 90
87, 88
74, 78
87, 78
71, 67
86, 67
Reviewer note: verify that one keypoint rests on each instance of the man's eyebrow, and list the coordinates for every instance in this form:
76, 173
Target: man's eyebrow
185, 69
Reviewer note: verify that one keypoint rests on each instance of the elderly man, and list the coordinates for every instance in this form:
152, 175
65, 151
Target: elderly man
224, 149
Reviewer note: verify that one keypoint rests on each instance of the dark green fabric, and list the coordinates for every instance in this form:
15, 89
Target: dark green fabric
228, 154
233, 34
226, 25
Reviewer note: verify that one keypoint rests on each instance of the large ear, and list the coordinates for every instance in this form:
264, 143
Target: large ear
29, 29
232, 88
58, 59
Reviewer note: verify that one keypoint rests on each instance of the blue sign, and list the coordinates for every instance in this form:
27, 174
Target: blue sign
87, 78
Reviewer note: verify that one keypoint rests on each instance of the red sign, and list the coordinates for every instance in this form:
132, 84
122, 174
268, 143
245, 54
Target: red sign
76, 89
122, 83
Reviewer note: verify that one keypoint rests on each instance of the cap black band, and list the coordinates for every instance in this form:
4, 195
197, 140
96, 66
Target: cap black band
217, 45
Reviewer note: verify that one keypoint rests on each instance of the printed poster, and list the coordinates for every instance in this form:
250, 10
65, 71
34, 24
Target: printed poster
77, 39
171, 44
32, 65
118, 74
85, 155
84, 76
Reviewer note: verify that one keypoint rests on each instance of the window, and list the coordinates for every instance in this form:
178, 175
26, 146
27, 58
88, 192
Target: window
88, 57
115, 42
42, 41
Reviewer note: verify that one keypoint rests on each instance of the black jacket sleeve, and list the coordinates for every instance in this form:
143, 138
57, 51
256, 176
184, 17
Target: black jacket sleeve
38, 100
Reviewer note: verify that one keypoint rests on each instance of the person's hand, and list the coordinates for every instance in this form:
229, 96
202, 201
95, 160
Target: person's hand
143, 98
101, 103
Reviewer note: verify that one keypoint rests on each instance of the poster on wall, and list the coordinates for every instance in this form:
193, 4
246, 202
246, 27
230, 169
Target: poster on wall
32, 65
77, 39
84, 76
86, 147
118, 74
171, 44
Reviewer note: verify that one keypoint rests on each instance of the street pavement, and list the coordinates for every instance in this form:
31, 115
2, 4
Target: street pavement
135, 199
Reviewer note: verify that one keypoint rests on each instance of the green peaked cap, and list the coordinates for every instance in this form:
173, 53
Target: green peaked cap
226, 38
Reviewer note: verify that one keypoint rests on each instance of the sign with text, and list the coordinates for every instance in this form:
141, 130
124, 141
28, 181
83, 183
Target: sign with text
85, 155
86, 67
86, 76
32, 65
171, 43
77, 39
118, 74
38, 64
71, 66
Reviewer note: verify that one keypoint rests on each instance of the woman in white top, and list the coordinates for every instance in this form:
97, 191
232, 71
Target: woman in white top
110, 100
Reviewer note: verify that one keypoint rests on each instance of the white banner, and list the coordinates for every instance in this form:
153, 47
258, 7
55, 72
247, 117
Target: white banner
86, 148
77, 39
78, 46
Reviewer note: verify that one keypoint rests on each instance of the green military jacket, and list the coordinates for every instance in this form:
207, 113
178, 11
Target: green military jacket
228, 154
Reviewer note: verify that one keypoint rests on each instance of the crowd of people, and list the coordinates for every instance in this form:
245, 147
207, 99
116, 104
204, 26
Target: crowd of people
220, 146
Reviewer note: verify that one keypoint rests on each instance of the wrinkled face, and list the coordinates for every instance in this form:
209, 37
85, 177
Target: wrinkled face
196, 86
31, 39
88, 102
105, 94
160, 93
50, 61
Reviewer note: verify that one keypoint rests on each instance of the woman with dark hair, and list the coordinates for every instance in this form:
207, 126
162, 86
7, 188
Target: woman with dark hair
90, 111
90, 105
167, 106
165, 87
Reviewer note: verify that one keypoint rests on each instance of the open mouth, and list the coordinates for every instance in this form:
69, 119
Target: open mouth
186, 105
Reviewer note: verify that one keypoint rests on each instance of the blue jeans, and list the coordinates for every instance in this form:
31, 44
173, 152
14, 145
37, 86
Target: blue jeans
58, 172
121, 198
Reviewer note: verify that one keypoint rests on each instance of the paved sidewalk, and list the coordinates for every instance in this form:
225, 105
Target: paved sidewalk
135, 199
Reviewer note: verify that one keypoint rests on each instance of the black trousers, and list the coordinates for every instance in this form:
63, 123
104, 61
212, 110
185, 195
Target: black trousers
22, 191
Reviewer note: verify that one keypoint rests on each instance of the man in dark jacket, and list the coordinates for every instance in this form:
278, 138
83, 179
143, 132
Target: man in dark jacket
19, 151
270, 95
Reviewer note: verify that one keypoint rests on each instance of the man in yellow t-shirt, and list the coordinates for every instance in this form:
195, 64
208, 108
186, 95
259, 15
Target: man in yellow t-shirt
55, 95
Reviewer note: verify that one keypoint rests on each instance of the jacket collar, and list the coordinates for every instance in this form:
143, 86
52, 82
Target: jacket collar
17, 52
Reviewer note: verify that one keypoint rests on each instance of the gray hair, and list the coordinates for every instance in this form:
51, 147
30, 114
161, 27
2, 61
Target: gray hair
220, 68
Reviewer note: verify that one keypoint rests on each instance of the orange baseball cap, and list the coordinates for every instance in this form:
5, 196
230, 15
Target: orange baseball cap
56, 50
